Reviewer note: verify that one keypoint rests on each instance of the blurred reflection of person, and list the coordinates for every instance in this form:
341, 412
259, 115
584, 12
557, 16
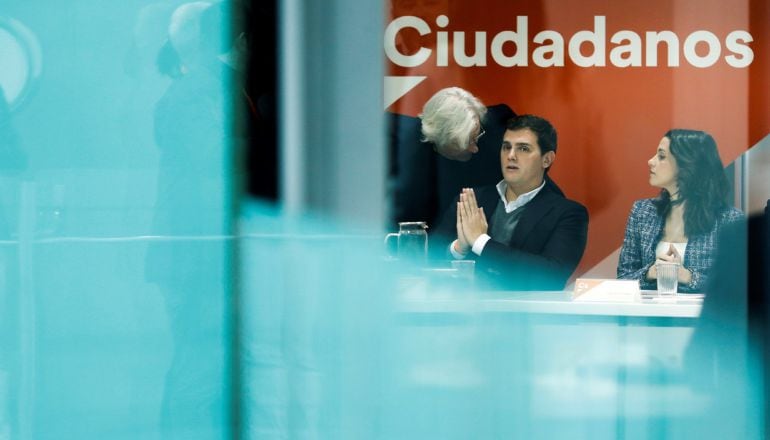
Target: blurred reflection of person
464, 133
728, 355
13, 161
187, 259
522, 232
682, 224
12, 158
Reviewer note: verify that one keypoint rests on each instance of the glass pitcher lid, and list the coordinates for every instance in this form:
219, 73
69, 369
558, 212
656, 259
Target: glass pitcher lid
413, 225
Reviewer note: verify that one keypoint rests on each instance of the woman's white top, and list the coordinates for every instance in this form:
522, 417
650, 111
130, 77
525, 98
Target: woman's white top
663, 246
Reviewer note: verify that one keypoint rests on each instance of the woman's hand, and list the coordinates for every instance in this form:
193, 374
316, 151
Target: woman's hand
672, 256
652, 273
684, 275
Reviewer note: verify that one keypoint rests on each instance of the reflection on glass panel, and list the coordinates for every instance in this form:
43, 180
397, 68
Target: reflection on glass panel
343, 341
116, 262
115, 142
314, 347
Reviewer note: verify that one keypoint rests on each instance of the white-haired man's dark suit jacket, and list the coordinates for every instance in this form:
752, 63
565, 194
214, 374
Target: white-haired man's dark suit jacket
424, 182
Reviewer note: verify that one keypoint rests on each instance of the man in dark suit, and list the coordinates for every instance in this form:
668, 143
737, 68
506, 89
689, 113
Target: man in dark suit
427, 172
523, 233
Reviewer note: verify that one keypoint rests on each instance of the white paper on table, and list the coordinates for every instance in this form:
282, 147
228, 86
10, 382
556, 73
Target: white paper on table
606, 290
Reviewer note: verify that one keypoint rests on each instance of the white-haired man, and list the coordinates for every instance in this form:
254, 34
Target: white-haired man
465, 134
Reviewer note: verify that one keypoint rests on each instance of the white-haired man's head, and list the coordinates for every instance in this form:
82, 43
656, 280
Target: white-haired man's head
451, 121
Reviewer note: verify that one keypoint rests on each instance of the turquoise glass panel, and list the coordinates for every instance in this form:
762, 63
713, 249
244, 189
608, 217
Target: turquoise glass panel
115, 210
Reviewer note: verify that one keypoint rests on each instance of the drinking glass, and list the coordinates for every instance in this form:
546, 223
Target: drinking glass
668, 278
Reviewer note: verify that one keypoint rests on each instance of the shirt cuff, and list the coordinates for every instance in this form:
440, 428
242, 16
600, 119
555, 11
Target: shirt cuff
455, 254
479, 244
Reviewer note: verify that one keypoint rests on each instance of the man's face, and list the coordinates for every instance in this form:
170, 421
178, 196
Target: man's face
522, 163
463, 154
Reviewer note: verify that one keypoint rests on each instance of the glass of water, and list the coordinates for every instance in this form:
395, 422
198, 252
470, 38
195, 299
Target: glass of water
668, 278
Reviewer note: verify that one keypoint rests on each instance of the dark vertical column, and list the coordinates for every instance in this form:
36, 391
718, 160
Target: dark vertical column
759, 71
259, 98
256, 159
759, 127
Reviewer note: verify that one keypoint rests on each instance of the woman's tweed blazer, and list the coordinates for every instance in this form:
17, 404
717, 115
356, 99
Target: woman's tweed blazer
644, 230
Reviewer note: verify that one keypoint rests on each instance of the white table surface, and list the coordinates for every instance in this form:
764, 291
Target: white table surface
420, 299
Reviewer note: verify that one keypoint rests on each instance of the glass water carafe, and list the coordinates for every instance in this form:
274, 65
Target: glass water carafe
412, 240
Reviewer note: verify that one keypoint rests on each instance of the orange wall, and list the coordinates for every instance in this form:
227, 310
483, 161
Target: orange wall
609, 119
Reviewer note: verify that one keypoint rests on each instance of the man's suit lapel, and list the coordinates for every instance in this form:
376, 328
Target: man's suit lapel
488, 200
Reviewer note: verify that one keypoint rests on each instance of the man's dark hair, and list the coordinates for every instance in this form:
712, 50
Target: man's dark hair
544, 131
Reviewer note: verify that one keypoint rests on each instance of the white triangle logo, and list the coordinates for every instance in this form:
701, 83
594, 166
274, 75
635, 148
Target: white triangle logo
397, 86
